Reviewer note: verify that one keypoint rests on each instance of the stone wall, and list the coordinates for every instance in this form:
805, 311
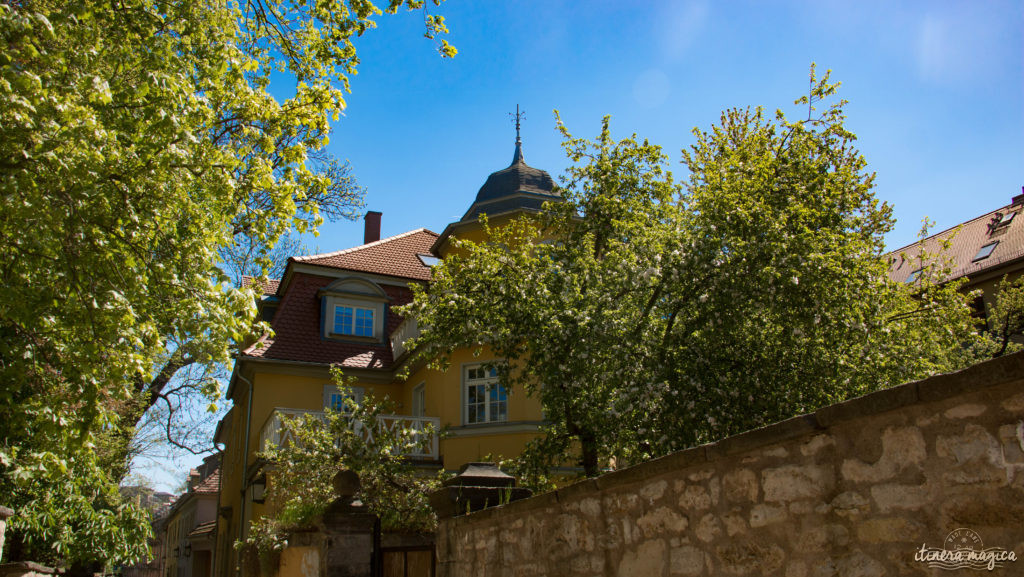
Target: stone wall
854, 489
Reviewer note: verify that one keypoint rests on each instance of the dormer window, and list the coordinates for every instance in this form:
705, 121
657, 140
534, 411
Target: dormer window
353, 309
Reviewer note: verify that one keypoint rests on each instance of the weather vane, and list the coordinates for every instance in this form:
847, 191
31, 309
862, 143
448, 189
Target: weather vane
518, 116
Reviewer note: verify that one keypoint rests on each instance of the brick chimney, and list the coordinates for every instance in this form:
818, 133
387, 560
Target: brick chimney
1019, 199
372, 231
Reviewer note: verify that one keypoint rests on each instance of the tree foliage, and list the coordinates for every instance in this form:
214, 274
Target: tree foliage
138, 141
649, 316
1006, 317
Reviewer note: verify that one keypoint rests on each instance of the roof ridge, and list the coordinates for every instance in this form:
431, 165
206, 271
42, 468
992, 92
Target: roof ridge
362, 246
950, 229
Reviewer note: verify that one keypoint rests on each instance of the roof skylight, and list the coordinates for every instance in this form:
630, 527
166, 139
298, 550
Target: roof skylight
985, 251
913, 276
1006, 218
428, 259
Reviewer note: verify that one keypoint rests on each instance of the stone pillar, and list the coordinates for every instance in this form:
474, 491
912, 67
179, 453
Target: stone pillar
351, 531
5, 513
477, 486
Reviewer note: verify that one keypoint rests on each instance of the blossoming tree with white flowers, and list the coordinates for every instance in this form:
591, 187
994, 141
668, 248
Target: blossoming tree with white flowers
648, 316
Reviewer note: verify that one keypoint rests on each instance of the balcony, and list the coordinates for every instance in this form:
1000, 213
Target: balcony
426, 449
409, 329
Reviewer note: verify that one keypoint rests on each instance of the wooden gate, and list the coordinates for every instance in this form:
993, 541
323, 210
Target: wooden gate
413, 561
406, 555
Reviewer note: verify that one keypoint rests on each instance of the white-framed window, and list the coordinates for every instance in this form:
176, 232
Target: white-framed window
354, 308
353, 320
419, 400
335, 400
486, 399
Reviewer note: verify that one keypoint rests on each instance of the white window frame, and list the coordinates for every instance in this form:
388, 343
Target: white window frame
334, 302
331, 390
353, 325
357, 294
419, 400
487, 383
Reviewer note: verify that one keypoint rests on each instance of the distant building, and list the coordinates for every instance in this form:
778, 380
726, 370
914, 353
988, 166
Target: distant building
158, 503
983, 249
189, 526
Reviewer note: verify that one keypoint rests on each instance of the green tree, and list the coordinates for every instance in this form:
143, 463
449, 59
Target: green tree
1006, 317
782, 302
138, 142
568, 301
649, 317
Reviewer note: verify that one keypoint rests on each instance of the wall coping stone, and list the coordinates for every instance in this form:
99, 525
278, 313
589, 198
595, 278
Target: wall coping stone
976, 378
25, 568
406, 539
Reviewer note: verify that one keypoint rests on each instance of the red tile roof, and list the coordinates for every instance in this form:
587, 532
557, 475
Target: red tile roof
971, 237
203, 529
298, 335
269, 286
210, 484
393, 256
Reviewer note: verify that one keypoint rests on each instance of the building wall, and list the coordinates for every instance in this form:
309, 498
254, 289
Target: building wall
181, 520
444, 399
856, 488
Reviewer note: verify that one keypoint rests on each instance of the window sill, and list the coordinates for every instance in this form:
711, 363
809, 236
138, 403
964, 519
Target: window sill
353, 338
495, 428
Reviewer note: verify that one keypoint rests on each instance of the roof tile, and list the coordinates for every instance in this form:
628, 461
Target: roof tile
392, 256
297, 331
269, 286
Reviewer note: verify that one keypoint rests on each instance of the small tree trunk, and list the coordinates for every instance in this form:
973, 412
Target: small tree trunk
588, 445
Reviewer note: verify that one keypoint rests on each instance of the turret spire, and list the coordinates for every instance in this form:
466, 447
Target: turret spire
517, 158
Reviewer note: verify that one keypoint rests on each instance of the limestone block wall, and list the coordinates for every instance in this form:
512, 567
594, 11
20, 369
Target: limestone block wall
855, 489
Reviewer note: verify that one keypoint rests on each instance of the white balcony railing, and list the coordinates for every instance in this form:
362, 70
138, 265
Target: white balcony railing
409, 329
425, 448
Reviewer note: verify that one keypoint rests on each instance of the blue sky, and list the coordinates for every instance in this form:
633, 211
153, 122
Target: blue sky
935, 88
936, 95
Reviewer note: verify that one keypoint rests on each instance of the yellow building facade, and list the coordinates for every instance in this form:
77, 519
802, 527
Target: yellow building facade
338, 309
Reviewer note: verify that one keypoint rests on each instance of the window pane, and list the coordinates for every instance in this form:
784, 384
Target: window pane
343, 320
985, 251
364, 323
337, 401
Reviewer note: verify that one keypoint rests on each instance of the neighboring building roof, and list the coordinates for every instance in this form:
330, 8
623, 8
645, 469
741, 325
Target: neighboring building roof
203, 529
1003, 227
519, 186
392, 256
269, 286
210, 484
298, 332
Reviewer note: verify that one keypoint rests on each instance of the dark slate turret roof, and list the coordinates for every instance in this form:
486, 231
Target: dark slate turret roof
517, 187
